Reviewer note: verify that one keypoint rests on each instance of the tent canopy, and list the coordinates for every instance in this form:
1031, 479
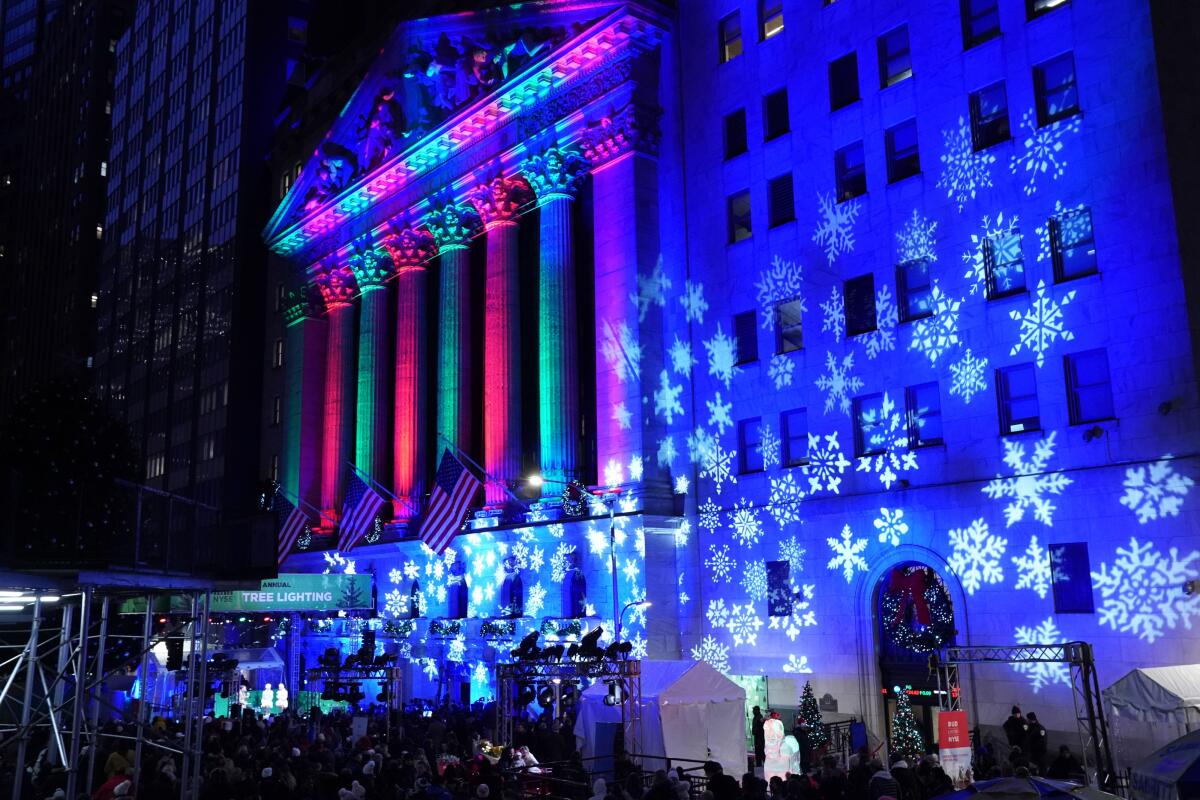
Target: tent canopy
253, 657
1172, 772
1158, 694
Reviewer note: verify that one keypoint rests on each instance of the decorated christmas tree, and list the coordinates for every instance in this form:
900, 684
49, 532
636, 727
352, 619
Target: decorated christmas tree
811, 712
906, 736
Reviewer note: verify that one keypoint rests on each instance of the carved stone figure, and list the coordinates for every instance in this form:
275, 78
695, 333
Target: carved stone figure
336, 167
381, 129
555, 172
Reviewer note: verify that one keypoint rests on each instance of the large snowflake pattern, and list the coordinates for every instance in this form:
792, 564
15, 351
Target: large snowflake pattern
717, 613
754, 579
784, 501
769, 445
1043, 673
976, 555
935, 335
710, 515
796, 665
780, 370
681, 357
1143, 593
835, 225
712, 652
1155, 491
718, 465
720, 564
834, 314
1033, 568
1075, 227
968, 376
887, 316
1000, 234
747, 527
693, 302
847, 554
964, 171
826, 463
915, 241
651, 291
837, 383
666, 398
1030, 484
719, 413
666, 451
887, 442
622, 351
802, 615
891, 525
1041, 152
791, 552
722, 356
783, 280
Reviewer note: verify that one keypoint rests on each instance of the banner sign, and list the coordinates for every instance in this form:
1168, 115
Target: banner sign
954, 746
299, 592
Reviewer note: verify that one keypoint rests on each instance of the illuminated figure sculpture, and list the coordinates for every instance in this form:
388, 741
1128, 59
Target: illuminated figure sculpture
777, 761
268, 699
281, 698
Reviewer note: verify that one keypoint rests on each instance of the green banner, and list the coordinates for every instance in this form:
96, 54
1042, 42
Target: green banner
291, 592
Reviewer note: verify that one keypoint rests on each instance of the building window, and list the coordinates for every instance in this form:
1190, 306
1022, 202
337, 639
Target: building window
1089, 387
280, 295
1071, 245
1004, 263
775, 114
924, 410
859, 301
912, 282
903, 160
770, 18
745, 332
277, 354
1016, 391
851, 170
1071, 578
1055, 89
275, 468
895, 61
277, 410
869, 424
794, 434
1035, 8
843, 81
730, 32
781, 206
750, 445
789, 333
980, 21
989, 116
735, 133
739, 216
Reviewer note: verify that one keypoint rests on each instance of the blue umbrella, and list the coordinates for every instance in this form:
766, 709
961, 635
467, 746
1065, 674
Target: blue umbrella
1015, 787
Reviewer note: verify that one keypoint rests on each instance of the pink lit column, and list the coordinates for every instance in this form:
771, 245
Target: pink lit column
304, 396
371, 271
337, 287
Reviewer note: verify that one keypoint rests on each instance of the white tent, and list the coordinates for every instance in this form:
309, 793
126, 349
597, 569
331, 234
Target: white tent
689, 710
1151, 707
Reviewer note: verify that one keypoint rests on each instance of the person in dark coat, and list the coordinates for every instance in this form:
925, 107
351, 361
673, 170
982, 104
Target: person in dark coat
882, 783
759, 736
1066, 767
1016, 729
859, 776
910, 787
1035, 739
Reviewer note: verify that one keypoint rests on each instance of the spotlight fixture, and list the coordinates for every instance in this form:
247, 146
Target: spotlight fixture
1094, 432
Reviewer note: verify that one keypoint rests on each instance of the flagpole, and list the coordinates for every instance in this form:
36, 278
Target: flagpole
300, 502
380, 487
483, 471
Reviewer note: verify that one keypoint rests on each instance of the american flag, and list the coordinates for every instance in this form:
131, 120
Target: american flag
290, 522
453, 490
358, 512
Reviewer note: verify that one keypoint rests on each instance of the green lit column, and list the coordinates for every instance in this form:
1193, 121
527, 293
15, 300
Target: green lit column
371, 271
305, 338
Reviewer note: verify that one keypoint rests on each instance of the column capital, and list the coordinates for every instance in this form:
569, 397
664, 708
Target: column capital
557, 172
500, 199
371, 269
626, 129
453, 224
409, 247
302, 303
336, 283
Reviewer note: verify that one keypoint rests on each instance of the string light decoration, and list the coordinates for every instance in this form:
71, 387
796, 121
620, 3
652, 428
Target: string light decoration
916, 610
372, 536
906, 736
575, 499
810, 710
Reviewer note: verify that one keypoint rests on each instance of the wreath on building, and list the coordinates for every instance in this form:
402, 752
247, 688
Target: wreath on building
575, 499
916, 610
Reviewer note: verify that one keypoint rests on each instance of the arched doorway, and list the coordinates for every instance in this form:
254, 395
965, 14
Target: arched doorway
914, 616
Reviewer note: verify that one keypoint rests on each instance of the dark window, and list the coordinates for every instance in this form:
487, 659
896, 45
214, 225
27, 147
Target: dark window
775, 114
1016, 391
989, 116
739, 216
903, 160
1035, 8
789, 333
859, 296
745, 332
850, 166
277, 410
1072, 246
980, 21
869, 425
1071, 578
1004, 263
924, 407
735, 133
750, 445
781, 206
770, 18
895, 61
795, 437
730, 36
912, 280
843, 81
1089, 387
1055, 88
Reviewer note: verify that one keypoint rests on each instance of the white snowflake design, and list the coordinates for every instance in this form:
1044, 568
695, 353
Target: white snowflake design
681, 357
782, 281
826, 464
1143, 591
888, 441
797, 665
791, 552
976, 555
536, 600
837, 383
558, 562
1074, 227
693, 302
834, 310
968, 376
722, 355
754, 580
835, 226
1033, 568
614, 473
718, 465
887, 316
700, 444
780, 370
712, 652
784, 501
682, 484
710, 515
622, 416
719, 413
916, 240
720, 563
1155, 491
1047, 672
395, 603
1029, 484
891, 525
935, 335
666, 451
964, 172
1042, 150
651, 291
666, 398
769, 446
621, 351
717, 613
1005, 239
802, 615
847, 554
747, 528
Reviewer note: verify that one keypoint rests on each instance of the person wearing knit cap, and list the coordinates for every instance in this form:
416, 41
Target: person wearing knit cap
122, 789
1016, 729
369, 768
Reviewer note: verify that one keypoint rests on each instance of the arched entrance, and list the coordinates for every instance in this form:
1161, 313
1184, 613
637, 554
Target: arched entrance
914, 616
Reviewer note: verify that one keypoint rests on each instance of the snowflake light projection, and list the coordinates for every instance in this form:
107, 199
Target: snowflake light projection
916, 240
796, 665
887, 442
1033, 568
835, 226
536, 600
847, 554
720, 564
622, 416
747, 528
968, 376
614, 473
933, 336
1155, 491
1142, 593
666, 398
887, 317
693, 302
683, 596
1075, 228
784, 500
680, 354
964, 172
783, 280
769, 446
336, 561
639, 646
681, 534
700, 444
682, 484
1041, 152
834, 311
558, 562
666, 451
718, 413
891, 525
710, 515
826, 463
635, 468
1047, 672
1003, 235
395, 603
622, 351
1042, 324
718, 466
712, 652
722, 355
791, 552
717, 613
754, 580
651, 291
780, 370
1030, 483
837, 383
802, 615
976, 555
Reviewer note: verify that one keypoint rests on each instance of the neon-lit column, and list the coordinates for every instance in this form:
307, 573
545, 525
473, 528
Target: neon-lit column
452, 226
410, 251
337, 287
555, 176
497, 203
371, 272
305, 337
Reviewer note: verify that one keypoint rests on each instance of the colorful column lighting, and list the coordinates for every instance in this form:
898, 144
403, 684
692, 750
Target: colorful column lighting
338, 289
371, 271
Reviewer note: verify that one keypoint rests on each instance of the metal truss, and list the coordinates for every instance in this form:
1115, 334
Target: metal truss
390, 676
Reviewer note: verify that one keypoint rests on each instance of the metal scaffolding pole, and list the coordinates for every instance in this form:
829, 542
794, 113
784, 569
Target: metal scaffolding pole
31, 671
142, 676
77, 707
96, 687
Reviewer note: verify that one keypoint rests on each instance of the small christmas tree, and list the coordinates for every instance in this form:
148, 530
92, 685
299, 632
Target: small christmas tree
811, 712
906, 736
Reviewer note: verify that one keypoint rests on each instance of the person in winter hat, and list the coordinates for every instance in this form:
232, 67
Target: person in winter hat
1035, 738
1016, 729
